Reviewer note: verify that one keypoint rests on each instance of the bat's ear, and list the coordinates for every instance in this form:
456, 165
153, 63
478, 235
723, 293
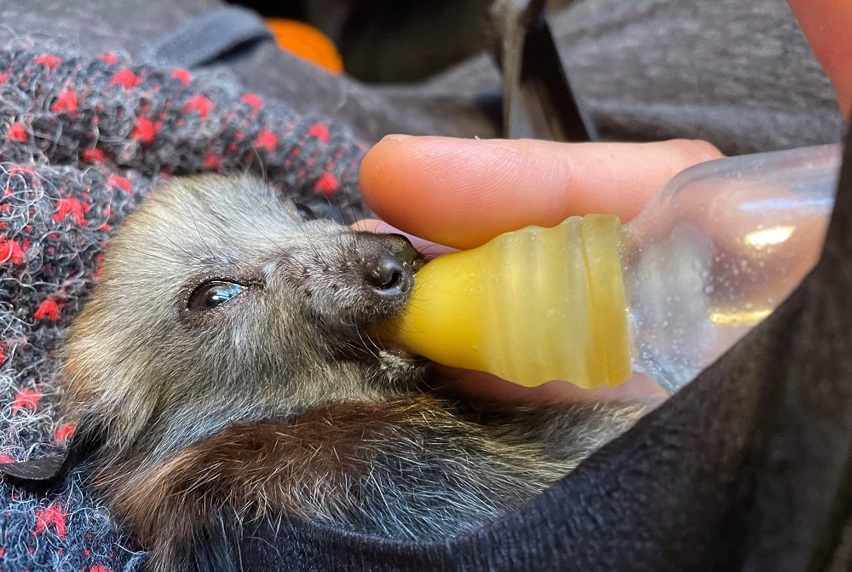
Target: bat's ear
47, 470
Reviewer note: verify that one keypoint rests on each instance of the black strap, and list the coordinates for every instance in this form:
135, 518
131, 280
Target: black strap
208, 37
538, 99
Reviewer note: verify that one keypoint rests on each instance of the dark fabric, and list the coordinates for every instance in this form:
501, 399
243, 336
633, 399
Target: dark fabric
208, 37
739, 74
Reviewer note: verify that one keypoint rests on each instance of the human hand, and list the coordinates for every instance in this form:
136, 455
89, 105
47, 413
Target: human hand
461, 193
826, 24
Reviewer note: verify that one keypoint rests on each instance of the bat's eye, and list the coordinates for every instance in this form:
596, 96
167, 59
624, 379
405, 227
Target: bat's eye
305, 212
212, 293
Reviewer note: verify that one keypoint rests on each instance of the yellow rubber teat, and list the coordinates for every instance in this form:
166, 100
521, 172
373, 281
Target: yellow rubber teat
529, 306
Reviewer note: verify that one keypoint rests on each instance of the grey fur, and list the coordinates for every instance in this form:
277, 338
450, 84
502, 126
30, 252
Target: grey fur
285, 325
154, 378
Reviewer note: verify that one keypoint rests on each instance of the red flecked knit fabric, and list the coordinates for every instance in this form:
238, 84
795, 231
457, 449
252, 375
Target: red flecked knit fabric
82, 140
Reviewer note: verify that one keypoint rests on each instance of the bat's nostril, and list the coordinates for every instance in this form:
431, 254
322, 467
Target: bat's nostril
388, 276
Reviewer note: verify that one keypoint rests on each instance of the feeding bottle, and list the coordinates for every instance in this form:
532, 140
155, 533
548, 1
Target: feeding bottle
591, 301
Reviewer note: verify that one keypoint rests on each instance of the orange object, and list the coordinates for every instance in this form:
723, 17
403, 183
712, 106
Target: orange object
307, 42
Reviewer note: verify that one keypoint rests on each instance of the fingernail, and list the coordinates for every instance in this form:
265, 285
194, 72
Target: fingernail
397, 137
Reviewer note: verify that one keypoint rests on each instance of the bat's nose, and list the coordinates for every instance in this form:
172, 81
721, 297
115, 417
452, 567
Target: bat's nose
389, 276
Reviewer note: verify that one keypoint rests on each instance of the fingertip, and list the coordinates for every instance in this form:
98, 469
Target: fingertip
412, 183
388, 166
368, 225
427, 248
458, 192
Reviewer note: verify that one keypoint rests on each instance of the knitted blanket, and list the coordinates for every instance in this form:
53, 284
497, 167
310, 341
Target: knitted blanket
82, 140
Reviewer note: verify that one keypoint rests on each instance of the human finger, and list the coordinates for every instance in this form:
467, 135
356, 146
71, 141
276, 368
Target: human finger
463, 192
484, 385
427, 248
826, 24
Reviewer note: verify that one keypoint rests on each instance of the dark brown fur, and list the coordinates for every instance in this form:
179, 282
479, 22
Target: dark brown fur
275, 404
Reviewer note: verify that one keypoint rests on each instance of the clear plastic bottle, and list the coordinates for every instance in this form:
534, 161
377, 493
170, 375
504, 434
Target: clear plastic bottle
590, 301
